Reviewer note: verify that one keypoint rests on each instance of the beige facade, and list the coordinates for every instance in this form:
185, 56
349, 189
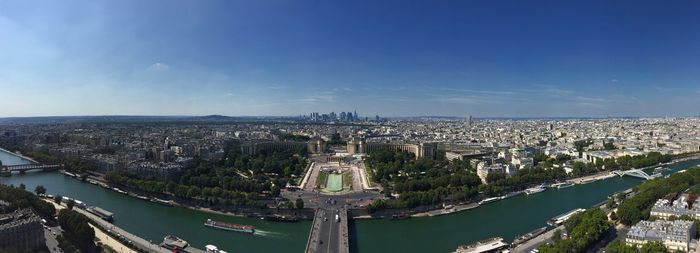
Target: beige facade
422, 150
315, 146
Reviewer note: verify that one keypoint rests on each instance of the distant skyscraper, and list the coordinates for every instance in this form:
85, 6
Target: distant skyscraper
356, 118
469, 121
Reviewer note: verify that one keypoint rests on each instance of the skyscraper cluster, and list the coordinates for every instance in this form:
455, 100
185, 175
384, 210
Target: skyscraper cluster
342, 117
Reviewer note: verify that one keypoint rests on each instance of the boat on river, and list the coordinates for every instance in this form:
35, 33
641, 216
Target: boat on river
588, 180
213, 249
511, 194
488, 245
174, 243
104, 214
161, 201
399, 216
561, 185
556, 221
280, 218
528, 236
68, 173
489, 200
229, 226
120, 191
536, 189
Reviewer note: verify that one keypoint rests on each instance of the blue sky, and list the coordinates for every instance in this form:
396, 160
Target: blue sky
394, 58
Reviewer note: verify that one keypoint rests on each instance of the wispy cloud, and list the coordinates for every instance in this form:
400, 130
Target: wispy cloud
492, 92
158, 67
342, 89
315, 99
558, 92
277, 87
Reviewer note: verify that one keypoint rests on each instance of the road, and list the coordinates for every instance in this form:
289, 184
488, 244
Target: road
50, 234
328, 234
537, 241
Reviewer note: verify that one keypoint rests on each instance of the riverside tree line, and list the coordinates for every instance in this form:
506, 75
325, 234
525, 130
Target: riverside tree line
433, 181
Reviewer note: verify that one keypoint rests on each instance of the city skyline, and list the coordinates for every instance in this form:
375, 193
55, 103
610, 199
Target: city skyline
589, 59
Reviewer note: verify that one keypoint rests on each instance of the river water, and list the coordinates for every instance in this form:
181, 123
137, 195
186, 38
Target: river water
11, 159
507, 218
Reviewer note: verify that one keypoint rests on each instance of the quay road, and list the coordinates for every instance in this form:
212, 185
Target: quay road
327, 234
533, 243
135, 240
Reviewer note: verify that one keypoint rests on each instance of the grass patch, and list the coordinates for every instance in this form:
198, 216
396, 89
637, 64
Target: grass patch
321, 179
347, 180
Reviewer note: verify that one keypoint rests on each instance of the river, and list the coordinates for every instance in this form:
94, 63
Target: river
507, 218
12, 159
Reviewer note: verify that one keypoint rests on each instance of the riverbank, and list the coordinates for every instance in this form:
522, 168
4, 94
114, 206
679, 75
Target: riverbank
29, 159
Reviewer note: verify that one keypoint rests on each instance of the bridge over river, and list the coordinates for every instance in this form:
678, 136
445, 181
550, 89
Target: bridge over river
329, 234
636, 173
22, 168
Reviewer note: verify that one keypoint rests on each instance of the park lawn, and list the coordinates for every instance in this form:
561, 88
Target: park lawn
347, 180
321, 179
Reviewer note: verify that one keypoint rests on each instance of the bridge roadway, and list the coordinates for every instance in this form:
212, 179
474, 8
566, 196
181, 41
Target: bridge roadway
327, 235
26, 167
636, 173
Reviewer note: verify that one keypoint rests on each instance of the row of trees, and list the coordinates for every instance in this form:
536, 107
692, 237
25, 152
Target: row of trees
500, 184
77, 230
650, 247
19, 198
73, 164
293, 137
637, 208
585, 229
206, 195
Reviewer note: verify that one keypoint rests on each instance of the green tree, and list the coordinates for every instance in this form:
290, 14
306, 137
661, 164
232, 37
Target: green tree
585, 229
22, 186
70, 203
40, 189
653, 247
77, 230
610, 204
619, 247
275, 190
299, 203
57, 199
